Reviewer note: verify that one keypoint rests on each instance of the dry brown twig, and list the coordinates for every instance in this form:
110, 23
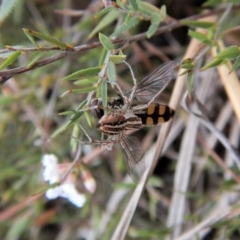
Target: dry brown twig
7, 74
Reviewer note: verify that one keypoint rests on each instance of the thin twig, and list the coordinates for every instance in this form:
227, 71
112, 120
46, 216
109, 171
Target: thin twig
7, 74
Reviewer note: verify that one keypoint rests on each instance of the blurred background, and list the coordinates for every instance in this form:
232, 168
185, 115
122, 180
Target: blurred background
30, 104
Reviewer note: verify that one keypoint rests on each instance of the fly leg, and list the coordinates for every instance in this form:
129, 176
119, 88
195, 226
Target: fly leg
107, 143
130, 99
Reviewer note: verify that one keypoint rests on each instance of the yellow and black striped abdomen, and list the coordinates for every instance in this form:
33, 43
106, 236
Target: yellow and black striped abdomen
156, 114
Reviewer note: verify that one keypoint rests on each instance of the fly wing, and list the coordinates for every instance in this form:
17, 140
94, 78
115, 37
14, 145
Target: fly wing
153, 84
133, 156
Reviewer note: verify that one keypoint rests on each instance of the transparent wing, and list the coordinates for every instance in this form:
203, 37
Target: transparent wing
153, 84
133, 156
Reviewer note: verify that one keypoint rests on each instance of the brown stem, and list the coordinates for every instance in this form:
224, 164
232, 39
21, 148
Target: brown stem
7, 74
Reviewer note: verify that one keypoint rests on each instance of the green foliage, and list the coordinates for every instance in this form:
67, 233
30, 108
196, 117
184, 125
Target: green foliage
5, 8
11, 58
229, 53
127, 25
217, 2
83, 90
134, 4
86, 81
77, 114
199, 24
148, 9
214, 63
106, 21
51, 40
236, 64
151, 30
117, 59
111, 73
200, 37
35, 59
103, 11
37, 118
89, 72
157, 18
106, 42
104, 93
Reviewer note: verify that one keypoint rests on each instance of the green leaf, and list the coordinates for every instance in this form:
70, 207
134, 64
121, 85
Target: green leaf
156, 18
88, 117
80, 107
73, 119
229, 53
201, 37
30, 37
199, 24
6, 8
128, 17
189, 82
151, 30
117, 58
134, 4
104, 93
163, 11
147, 8
106, 42
102, 12
75, 135
107, 20
184, 72
86, 81
10, 59
35, 59
67, 113
210, 3
236, 64
78, 113
49, 39
59, 130
102, 57
111, 72
214, 63
83, 90
6, 55
125, 27
188, 64
85, 73
120, 3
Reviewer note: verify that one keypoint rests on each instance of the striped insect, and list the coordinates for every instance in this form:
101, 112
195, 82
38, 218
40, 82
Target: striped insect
132, 110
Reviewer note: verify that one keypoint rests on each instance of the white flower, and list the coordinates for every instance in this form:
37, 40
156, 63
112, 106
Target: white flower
52, 173
67, 191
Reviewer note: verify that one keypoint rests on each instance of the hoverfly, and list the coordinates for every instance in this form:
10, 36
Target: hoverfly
132, 110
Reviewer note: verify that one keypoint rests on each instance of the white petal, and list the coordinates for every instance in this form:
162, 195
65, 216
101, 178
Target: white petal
51, 171
69, 191
78, 200
49, 159
53, 193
